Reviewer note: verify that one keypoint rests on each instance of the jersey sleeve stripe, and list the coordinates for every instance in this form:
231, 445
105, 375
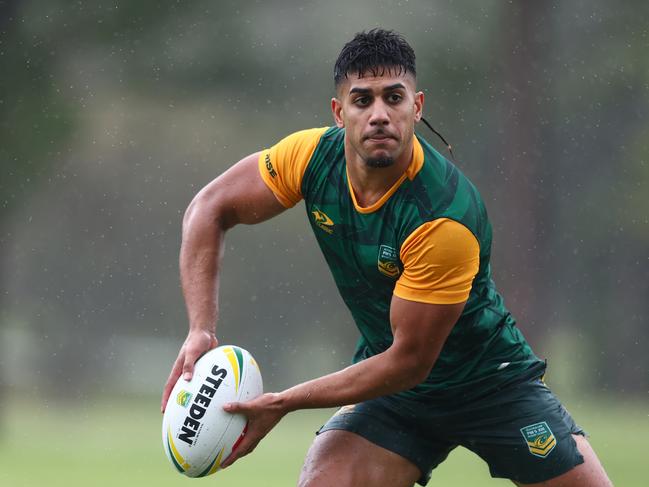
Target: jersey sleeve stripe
440, 260
282, 166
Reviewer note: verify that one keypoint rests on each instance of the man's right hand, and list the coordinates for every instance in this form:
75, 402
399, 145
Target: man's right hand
196, 344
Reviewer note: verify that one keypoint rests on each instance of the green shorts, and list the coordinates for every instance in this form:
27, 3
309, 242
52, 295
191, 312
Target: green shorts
522, 431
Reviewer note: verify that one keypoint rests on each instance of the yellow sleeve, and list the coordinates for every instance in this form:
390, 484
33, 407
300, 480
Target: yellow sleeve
440, 260
283, 165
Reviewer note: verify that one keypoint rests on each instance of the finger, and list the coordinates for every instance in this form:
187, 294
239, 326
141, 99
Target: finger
171, 382
234, 407
191, 356
236, 448
244, 448
233, 457
241, 447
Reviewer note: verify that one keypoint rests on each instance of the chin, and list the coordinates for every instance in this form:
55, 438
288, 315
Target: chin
381, 161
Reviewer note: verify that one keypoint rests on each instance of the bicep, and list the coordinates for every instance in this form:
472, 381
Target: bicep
441, 259
239, 195
421, 329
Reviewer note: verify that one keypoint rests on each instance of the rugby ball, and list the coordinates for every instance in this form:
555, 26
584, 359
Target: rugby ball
197, 434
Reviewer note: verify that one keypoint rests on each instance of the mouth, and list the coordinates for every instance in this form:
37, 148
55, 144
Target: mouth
379, 137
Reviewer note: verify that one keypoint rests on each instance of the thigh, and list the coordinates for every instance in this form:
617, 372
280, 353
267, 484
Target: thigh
588, 474
340, 458
396, 426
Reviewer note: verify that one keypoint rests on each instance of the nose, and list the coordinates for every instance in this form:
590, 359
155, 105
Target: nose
379, 114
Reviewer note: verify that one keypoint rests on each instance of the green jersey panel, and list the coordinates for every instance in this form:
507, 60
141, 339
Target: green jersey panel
484, 349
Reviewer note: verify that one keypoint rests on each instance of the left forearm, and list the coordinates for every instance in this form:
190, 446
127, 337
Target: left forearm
419, 331
376, 376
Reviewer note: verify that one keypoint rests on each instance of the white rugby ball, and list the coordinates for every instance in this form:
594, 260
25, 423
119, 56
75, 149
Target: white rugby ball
197, 434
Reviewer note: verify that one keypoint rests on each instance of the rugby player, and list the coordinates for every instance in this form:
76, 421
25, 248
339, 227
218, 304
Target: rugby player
440, 362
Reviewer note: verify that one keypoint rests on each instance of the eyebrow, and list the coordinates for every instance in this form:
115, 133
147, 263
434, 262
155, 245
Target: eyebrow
365, 91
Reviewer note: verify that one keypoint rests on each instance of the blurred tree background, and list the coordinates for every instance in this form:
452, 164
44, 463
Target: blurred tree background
113, 114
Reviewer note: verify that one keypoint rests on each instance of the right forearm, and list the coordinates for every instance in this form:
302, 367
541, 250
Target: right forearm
200, 255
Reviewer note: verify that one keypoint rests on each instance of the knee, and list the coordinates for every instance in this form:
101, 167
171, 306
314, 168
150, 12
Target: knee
306, 478
314, 475
319, 472
327, 479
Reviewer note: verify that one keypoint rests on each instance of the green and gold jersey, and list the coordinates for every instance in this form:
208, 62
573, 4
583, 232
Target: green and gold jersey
428, 239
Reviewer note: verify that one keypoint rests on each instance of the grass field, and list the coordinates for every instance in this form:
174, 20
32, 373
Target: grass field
117, 442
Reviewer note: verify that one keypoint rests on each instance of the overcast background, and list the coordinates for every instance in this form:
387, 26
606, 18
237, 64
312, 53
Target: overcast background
114, 114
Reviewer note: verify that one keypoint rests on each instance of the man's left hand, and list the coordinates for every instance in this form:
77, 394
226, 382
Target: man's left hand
263, 413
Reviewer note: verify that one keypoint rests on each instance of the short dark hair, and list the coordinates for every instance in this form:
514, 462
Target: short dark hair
374, 51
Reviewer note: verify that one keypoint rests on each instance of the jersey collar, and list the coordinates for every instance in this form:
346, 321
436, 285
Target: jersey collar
413, 168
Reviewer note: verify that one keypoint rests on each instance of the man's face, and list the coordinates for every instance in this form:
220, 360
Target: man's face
378, 114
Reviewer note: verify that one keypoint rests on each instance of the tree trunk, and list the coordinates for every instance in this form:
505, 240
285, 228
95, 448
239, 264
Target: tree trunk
526, 211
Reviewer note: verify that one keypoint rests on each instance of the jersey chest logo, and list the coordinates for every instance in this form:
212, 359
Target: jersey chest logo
388, 261
322, 220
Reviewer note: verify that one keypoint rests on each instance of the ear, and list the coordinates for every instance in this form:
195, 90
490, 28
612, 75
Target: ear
337, 111
419, 105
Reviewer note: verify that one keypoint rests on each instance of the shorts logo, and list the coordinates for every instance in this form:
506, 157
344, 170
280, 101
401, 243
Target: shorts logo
539, 438
388, 259
322, 220
183, 398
